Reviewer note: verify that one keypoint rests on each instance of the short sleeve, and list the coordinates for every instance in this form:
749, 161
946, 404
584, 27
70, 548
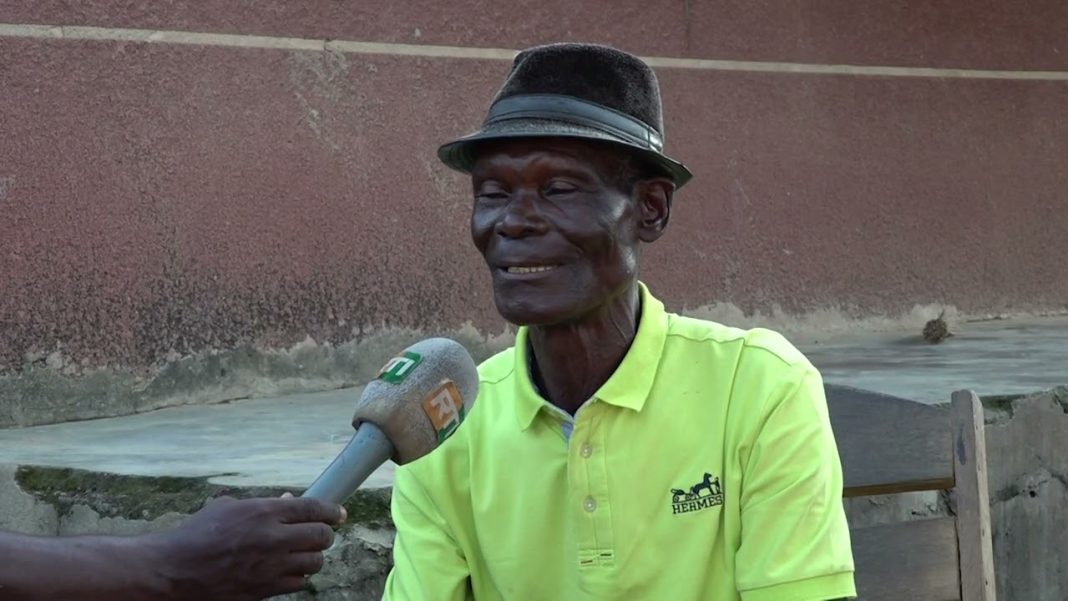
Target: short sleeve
795, 541
428, 564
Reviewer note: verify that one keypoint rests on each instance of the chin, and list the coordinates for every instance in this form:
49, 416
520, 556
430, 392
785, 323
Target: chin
520, 313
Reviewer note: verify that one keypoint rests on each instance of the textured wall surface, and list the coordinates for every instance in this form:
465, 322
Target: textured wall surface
983, 34
160, 199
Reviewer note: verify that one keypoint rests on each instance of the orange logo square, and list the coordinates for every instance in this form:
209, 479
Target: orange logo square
445, 408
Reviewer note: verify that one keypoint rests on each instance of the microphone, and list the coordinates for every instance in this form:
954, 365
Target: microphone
419, 399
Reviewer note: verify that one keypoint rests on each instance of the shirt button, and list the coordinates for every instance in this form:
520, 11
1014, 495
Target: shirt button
590, 505
586, 450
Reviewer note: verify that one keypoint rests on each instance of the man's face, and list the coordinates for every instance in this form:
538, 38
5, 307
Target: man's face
559, 236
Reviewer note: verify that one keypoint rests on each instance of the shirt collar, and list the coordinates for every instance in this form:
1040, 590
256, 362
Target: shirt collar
629, 385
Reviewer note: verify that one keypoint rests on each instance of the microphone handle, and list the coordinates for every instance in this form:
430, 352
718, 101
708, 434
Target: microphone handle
368, 449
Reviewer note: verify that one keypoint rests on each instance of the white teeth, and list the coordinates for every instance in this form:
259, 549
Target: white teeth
530, 269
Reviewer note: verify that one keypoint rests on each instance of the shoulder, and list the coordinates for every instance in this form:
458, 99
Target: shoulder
497, 368
769, 388
759, 346
754, 369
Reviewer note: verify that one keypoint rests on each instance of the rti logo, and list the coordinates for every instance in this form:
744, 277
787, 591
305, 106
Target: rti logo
706, 493
445, 408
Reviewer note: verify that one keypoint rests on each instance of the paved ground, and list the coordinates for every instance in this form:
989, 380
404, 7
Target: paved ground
286, 441
283, 441
991, 357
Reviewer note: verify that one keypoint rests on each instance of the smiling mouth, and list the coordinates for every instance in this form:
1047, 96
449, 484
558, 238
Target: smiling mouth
530, 269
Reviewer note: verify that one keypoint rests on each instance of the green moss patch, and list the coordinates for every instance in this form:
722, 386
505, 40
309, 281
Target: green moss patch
148, 497
370, 508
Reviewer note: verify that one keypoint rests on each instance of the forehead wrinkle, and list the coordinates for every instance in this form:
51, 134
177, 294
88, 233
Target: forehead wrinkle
586, 160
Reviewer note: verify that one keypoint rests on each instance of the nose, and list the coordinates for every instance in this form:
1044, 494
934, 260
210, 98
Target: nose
521, 216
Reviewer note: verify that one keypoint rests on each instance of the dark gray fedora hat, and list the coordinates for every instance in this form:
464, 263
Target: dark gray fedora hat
572, 90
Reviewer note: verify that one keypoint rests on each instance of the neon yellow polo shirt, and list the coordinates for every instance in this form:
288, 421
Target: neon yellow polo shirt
703, 469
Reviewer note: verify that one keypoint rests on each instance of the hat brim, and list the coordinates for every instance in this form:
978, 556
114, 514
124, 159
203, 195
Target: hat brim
460, 154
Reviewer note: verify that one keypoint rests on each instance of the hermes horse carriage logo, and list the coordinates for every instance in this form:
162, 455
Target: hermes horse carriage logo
706, 493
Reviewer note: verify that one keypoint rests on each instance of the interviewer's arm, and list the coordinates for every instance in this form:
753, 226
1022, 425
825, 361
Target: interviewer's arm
85, 567
232, 550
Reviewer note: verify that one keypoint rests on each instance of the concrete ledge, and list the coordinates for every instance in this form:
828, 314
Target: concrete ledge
52, 388
143, 498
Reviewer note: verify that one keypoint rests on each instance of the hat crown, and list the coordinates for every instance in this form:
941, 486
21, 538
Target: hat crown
576, 91
591, 72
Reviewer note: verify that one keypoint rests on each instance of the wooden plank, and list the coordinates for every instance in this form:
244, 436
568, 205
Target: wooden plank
889, 444
914, 561
973, 500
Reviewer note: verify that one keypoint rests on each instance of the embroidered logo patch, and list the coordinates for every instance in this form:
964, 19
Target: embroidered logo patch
706, 493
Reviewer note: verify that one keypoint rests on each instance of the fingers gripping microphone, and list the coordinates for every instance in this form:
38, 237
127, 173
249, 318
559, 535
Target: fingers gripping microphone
417, 401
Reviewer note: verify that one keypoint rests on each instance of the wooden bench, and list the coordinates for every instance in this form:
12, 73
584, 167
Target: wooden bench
890, 445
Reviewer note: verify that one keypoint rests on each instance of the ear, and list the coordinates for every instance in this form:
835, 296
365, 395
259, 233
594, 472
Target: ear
654, 204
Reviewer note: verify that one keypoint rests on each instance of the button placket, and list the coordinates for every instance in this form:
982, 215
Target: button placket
598, 481
586, 450
588, 457
583, 497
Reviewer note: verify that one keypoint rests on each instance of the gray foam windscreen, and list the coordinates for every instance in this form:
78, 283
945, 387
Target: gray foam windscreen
420, 397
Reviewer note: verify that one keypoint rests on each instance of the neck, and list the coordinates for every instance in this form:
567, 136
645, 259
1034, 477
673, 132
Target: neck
571, 361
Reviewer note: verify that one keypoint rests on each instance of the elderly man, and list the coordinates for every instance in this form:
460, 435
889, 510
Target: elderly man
617, 451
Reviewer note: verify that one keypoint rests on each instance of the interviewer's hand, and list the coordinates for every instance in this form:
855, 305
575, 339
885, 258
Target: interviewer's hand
247, 549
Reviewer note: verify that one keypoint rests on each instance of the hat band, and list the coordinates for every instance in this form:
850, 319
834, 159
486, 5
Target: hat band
577, 111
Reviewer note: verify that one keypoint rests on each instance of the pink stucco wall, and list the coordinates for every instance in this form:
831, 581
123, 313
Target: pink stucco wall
158, 197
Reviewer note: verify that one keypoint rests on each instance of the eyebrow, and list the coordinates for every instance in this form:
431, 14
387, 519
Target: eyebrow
590, 171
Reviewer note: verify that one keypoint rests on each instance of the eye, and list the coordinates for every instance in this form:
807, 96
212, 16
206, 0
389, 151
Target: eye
491, 196
489, 192
560, 189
